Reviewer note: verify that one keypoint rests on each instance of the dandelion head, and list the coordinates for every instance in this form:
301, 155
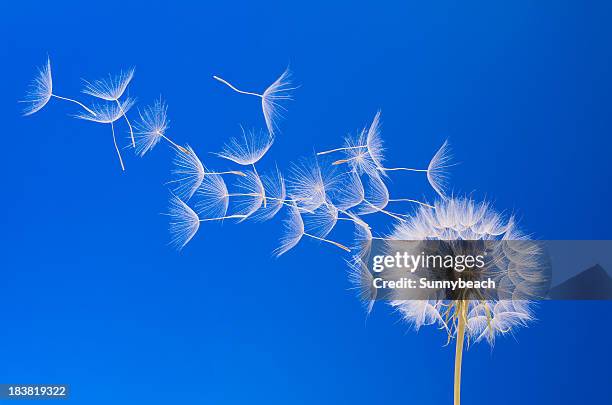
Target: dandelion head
151, 127
321, 221
347, 191
276, 195
184, 222
357, 156
437, 173
374, 142
250, 196
188, 173
376, 195
249, 149
212, 197
309, 183
40, 90
362, 281
293, 230
110, 88
106, 113
272, 99
462, 223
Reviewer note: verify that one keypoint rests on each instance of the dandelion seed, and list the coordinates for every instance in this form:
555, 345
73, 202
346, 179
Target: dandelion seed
376, 198
40, 92
276, 195
367, 153
294, 231
250, 196
108, 114
308, 184
189, 173
347, 191
436, 170
362, 280
213, 197
152, 128
248, 150
111, 89
322, 220
271, 99
184, 222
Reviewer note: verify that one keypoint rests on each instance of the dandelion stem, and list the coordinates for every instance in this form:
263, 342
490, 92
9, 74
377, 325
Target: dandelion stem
412, 201
341, 246
76, 102
117, 147
462, 309
128, 122
222, 218
228, 84
339, 149
179, 147
392, 169
238, 173
338, 162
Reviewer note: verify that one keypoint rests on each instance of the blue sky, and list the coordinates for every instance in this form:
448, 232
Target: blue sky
93, 297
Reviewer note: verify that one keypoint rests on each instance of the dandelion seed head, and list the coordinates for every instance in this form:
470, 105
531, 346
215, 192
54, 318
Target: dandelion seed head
152, 126
106, 113
252, 193
462, 219
272, 98
321, 221
374, 142
362, 279
249, 149
376, 195
293, 230
276, 195
436, 171
309, 183
40, 90
188, 173
184, 223
110, 88
347, 191
212, 197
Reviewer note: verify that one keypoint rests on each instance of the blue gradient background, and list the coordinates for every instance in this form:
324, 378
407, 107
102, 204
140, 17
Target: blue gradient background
91, 296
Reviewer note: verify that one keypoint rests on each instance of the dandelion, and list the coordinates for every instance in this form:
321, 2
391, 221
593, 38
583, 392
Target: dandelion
457, 219
108, 114
213, 197
250, 196
189, 173
347, 191
362, 280
152, 128
308, 184
40, 92
294, 231
367, 153
376, 198
322, 220
271, 99
436, 170
248, 151
111, 89
184, 222
275, 193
